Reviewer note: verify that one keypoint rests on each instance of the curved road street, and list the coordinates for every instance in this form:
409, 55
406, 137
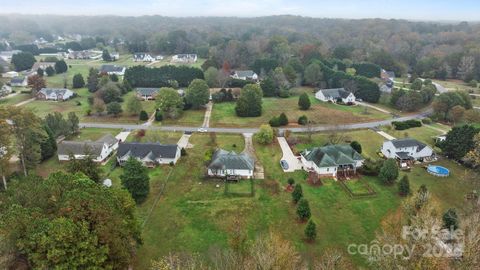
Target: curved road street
319, 128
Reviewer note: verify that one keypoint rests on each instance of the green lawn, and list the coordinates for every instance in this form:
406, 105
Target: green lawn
156, 136
187, 118
93, 134
223, 114
14, 100
79, 105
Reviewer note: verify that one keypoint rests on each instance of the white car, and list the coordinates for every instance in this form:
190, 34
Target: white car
202, 130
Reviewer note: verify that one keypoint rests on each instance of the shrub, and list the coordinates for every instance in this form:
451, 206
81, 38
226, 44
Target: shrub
183, 152
406, 124
427, 121
143, 116
297, 193
284, 93
404, 186
274, 122
158, 116
473, 83
303, 120
304, 102
371, 167
283, 119
290, 181
311, 230
303, 209
356, 146
265, 135
389, 171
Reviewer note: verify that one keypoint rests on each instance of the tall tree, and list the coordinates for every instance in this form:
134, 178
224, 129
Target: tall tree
36, 83
473, 156
197, 93
73, 123
264, 135
136, 180
92, 80
77, 81
6, 147
86, 166
404, 186
61, 67
249, 104
313, 74
389, 171
28, 132
106, 56
169, 102
211, 75
49, 146
23, 61
133, 106
459, 141
69, 222
50, 71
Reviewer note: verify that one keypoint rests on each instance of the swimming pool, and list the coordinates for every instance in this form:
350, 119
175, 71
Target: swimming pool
438, 171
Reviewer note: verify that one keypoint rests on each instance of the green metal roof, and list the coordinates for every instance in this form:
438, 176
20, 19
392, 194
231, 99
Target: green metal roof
332, 155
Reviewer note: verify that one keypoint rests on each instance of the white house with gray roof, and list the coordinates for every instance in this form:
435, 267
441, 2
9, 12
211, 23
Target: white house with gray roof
146, 93
100, 150
407, 149
143, 57
184, 58
225, 163
112, 69
245, 75
334, 95
150, 154
57, 94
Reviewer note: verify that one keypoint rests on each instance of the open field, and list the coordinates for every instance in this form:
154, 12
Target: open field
14, 100
223, 114
79, 105
93, 134
187, 118
156, 136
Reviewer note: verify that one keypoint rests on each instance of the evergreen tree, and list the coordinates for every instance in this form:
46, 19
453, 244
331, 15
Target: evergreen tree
303, 209
282, 119
114, 108
249, 104
23, 61
404, 186
50, 71
268, 87
297, 193
389, 171
72, 121
77, 81
136, 180
61, 67
106, 56
450, 219
311, 230
92, 80
159, 116
48, 146
304, 101
356, 146
40, 72
143, 116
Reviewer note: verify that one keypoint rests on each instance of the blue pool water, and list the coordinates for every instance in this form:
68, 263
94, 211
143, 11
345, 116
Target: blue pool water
438, 170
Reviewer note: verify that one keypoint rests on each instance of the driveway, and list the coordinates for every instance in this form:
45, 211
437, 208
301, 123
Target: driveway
208, 113
293, 162
258, 173
24, 102
122, 136
183, 142
386, 135
373, 107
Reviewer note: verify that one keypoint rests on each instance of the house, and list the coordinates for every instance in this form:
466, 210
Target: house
7, 55
85, 54
228, 163
150, 154
159, 57
19, 81
114, 56
10, 74
100, 150
331, 160
112, 69
42, 65
57, 94
5, 90
335, 95
184, 58
385, 89
143, 57
147, 93
245, 75
407, 150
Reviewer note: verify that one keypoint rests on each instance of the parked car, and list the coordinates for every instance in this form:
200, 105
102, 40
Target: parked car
284, 164
202, 130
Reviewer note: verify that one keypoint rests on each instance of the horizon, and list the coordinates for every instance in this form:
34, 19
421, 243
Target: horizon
439, 11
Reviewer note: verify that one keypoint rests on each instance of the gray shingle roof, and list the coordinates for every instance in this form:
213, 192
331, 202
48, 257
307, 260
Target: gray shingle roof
17, 80
335, 93
332, 155
57, 91
108, 139
408, 142
80, 148
224, 160
147, 91
245, 73
152, 150
111, 68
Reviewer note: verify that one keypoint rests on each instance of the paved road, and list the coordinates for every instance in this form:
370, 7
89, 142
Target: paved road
440, 88
254, 130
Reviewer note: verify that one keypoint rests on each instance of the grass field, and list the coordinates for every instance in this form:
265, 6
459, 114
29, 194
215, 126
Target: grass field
93, 134
79, 105
223, 114
156, 136
188, 118
14, 100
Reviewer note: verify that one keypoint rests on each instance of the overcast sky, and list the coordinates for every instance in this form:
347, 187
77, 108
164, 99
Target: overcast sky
457, 10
